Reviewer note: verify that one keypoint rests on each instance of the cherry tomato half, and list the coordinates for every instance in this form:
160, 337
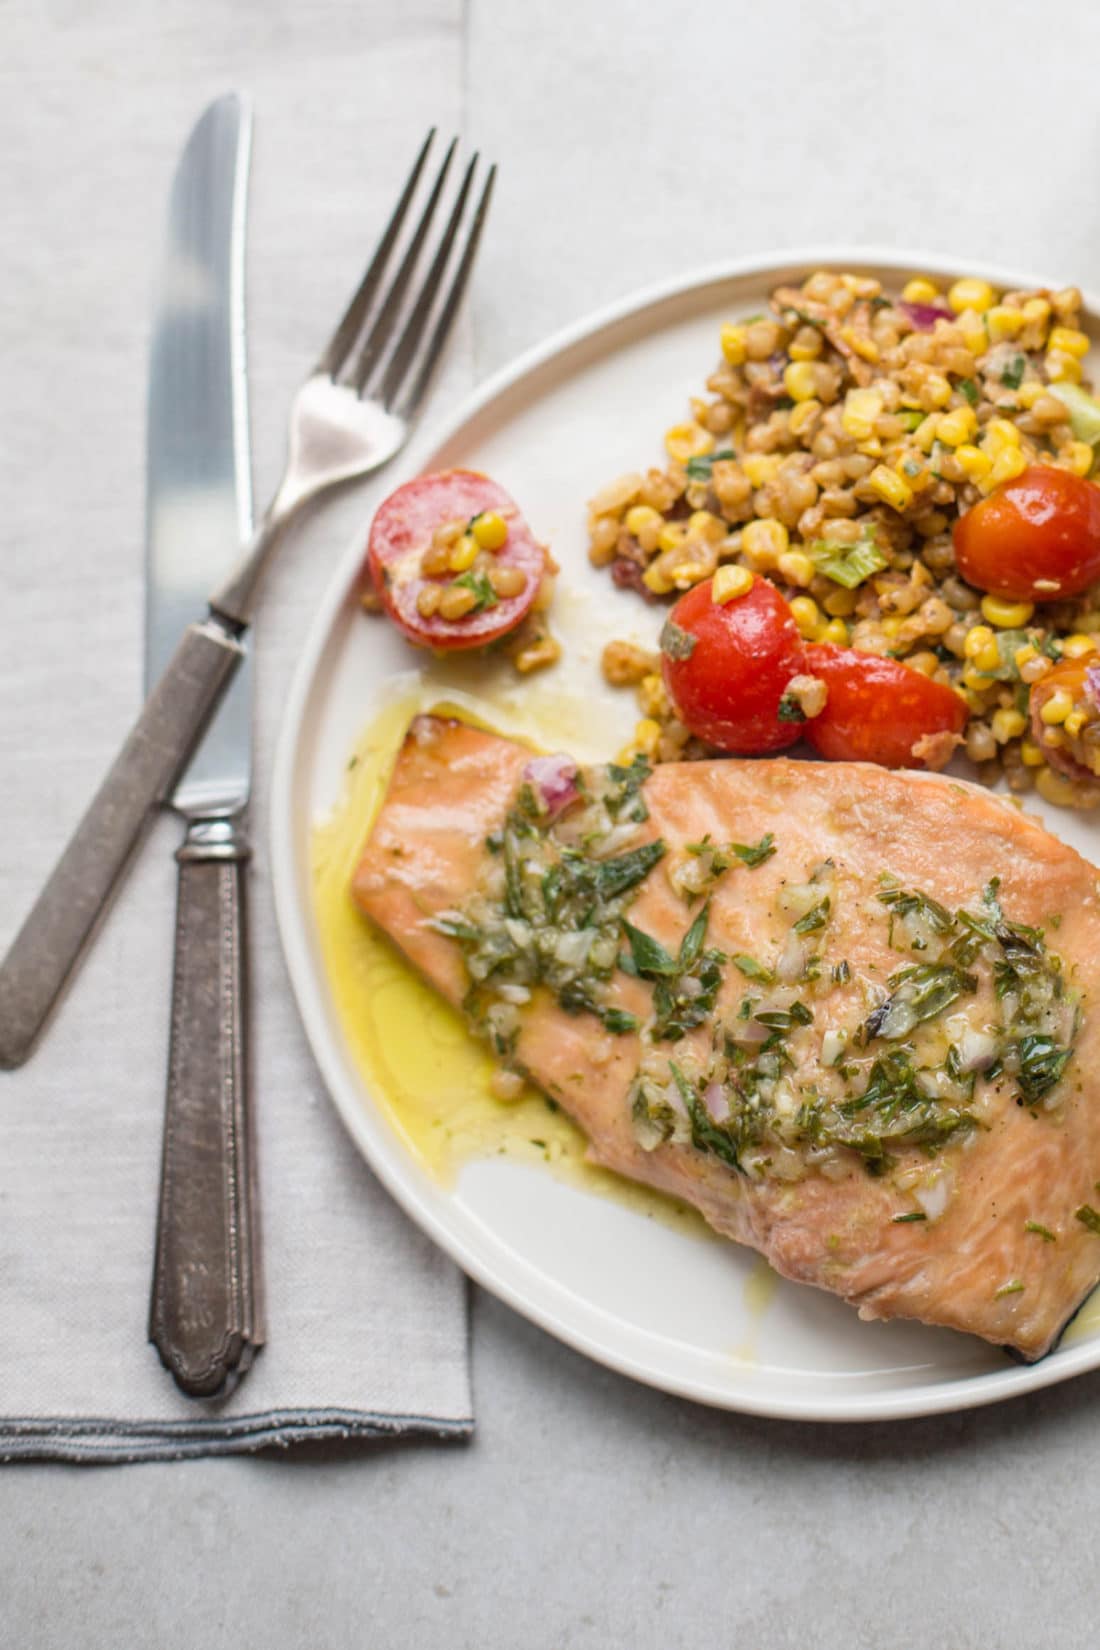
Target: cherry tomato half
1075, 754
402, 533
1035, 538
879, 710
726, 666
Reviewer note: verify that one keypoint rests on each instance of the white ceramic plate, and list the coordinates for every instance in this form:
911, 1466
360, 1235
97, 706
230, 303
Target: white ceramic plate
635, 1294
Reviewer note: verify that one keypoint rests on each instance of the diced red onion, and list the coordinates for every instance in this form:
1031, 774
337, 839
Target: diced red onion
717, 1102
923, 316
555, 780
1092, 685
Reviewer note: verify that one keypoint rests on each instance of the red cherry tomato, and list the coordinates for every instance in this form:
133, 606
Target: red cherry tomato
727, 664
401, 533
879, 710
1035, 538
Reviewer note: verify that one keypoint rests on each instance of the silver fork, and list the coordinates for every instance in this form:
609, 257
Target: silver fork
350, 416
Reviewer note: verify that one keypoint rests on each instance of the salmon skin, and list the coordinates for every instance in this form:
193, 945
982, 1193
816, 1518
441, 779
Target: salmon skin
845, 1012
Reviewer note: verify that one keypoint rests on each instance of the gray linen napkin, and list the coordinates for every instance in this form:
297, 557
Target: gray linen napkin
366, 1320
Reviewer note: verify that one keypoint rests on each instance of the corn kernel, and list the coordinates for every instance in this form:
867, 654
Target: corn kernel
796, 567
802, 415
973, 679
1077, 456
925, 662
489, 529
760, 468
508, 581
1001, 432
891, 626
464, 554
684, 441
456, 601
1036, 312
970, 294
1029, 392
656, 579
764, 541
688, 573
800, 380
957, 426
1007, 724
1056, 788
1077, 645
1002, 322
920, 291
1062, 369
427, 600
1068, 340
974, 334
702, 524
806, 348
977, 639
1025, 656
641, 517
733, 344
890, 487
806, 615
1030, 754
1008, 464
840, 604
1056, 708
835, 631
975, 463
729, 582
1074, 722
1006, 615
861, 408
925, 433
672, 535
861, 343
646, 736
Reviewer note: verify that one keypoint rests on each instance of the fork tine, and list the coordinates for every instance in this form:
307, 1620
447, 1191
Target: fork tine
379, 335
339, 345
414, 326
410, 402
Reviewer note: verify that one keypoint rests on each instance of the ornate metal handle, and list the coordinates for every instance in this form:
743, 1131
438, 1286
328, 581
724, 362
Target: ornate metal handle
205, 1316
46, 948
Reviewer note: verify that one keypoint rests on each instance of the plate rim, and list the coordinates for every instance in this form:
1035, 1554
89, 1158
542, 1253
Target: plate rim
963, 1392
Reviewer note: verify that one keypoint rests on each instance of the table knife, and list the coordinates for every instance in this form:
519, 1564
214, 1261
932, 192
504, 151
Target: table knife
205, 1314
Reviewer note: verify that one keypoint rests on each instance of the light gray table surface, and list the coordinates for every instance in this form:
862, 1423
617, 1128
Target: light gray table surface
635, 140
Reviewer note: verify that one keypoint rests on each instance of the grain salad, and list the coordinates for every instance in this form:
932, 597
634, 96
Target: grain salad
841, 437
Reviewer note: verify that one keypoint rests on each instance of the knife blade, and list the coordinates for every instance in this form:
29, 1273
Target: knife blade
204, 1313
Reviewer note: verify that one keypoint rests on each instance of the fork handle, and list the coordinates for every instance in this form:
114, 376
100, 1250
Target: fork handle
204, 1317
46, 949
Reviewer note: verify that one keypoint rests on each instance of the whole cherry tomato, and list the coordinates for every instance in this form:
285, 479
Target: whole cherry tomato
413, 591
879, 710
727, 664
1035, 538
1075, 754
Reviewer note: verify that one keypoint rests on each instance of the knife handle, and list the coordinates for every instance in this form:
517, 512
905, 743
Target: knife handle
204, 1317
51, 939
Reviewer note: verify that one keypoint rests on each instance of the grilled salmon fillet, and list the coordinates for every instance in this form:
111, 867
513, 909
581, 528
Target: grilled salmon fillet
847, 1013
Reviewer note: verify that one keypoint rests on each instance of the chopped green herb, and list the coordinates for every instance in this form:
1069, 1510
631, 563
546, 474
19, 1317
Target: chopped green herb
1012, 374
841, 973
675, 642
618, 1020
905, 1220
848, 564
752, 970
789, 709
970, 390
649, 955
1088, 1216
1013, 1288
1040, 1231
755, 853
1042, 1063
918, 993
699, 469
815, 919
478, 582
